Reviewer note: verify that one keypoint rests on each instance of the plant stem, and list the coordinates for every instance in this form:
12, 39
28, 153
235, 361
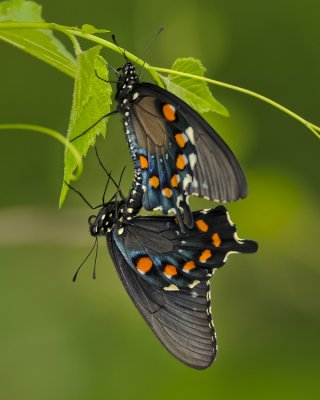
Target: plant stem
50, 132
70, 31
313, 128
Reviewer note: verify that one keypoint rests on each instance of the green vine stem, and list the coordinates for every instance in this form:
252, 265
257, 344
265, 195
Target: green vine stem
50, 132
154, 71
313, 128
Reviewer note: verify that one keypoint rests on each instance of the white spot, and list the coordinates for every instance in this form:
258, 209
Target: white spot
193, 284
130, 210
131, 200
183, 242
186, 181
124, 86
179, 201
229, 219
126, 114
192, 160
120, 231
171, 288
108, 230
206, 197
237, 239
110, 215
172, 211
144, 188
190, 133
129, 86
227, 255
140, 271
128, 218
205, 211
103, 217
159, 208
135, 96
194, 294
125, 101
195, 183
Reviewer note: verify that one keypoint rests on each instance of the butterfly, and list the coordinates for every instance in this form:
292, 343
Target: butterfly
167, 272
175, 152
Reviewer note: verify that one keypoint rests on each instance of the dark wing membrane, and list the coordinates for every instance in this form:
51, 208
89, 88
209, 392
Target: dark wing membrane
181, 321
162, 255
217, 174
170, 159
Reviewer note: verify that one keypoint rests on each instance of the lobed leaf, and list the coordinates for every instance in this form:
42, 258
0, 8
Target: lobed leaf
194, 92
91, 101
37, 42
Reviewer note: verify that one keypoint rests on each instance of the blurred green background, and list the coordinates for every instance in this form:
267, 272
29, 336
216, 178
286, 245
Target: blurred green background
60, 340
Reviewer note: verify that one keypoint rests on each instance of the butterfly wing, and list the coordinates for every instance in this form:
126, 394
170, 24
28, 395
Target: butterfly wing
162, 255
182, 151
181, 321
166, 273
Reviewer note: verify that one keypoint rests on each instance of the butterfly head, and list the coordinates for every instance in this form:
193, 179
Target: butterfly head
107, 217
127, 78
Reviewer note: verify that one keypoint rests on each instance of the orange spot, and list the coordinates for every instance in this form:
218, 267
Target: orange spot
181, 139
202, 226
175, 181
205, 255
144, 264
188, 266
154, 181
167, 192
216, 239
144, 164
170, 270
169, 112
181, 161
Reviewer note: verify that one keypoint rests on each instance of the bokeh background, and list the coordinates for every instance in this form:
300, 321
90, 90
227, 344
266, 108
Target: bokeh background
60, 340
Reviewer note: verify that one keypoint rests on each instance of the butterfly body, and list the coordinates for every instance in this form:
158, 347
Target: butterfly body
174, 150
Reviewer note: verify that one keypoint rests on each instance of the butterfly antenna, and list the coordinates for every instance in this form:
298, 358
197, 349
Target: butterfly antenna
77, 271
106, 171
123, 51
95, 260
105, 191
154, 37
81, 195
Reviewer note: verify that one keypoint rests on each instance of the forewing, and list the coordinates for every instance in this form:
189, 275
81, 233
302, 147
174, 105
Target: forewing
180, 320
166, 157
217, 173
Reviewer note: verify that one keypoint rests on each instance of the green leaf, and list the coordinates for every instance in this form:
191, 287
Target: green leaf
194, 92
39, 43
90, 29
91, 101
